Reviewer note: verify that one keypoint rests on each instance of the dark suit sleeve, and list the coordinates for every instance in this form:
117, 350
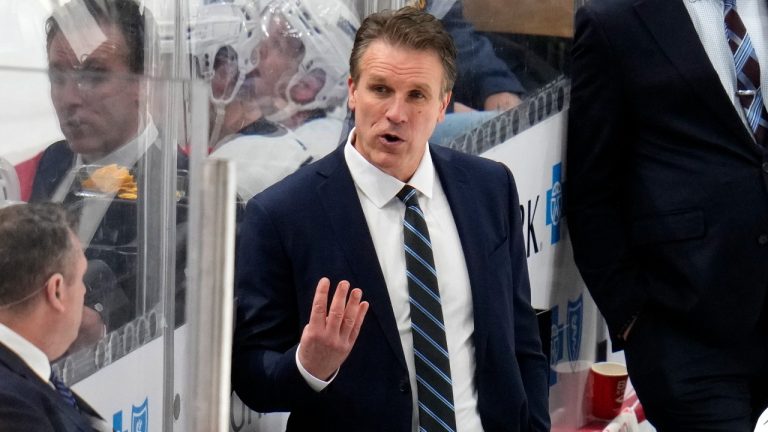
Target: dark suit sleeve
22, 414
481, 72
532, 362
264, 369
598, 141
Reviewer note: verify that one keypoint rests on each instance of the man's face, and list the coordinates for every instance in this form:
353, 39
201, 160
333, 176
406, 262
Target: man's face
398, 100
96, 99
279, 57
75, 287
306, 89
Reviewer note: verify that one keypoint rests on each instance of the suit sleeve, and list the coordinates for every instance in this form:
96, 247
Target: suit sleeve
264, 371
481, 72
599, 134
534, 368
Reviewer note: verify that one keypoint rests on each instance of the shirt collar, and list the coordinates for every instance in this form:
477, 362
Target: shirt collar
381, 187
29, 353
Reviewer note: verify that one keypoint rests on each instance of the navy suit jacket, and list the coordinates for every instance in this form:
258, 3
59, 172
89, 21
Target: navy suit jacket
311, 225
112, 268
667, 200
27, 403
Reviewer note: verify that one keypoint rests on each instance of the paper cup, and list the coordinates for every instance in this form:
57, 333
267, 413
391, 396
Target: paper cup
607, 382
568, 398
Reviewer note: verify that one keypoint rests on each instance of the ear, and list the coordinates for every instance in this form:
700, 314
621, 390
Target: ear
352, 90
446, 99
54, 291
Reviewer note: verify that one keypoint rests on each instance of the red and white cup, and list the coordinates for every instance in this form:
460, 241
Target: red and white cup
607, 384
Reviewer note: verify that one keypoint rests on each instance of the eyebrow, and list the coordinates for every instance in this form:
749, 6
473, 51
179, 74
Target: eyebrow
378, 79
382, 79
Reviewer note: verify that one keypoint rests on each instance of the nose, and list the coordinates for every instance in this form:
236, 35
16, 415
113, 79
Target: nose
67, 94
396, 111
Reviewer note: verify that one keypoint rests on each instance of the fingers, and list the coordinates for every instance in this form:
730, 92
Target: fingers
336, 311
361, 311
319, 304
344, 316
351, 313
328, 338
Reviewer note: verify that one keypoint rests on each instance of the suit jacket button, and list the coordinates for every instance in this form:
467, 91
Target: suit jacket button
763, 239
405, 386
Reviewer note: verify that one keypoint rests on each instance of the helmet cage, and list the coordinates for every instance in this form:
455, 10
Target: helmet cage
224, 35
327, 32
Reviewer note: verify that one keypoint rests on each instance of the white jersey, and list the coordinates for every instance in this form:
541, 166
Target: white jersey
320, 136
262, 160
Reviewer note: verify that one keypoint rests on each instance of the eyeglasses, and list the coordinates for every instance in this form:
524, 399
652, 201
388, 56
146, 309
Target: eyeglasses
87, 80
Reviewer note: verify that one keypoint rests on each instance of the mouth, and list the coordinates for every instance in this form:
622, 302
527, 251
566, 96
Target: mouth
253, 74
73, 126
391, 138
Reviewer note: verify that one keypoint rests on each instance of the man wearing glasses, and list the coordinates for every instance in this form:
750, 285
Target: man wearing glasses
111, 147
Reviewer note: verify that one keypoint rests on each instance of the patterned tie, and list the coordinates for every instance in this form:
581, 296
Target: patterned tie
63, 390
747, 72
433, 369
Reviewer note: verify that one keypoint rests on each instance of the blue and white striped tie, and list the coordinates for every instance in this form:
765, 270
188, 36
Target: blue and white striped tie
63, 390
747, 72
433, 369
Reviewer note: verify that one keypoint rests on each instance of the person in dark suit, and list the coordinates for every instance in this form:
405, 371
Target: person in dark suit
98, 92
357, 365
667, 206
485, 82
41, 304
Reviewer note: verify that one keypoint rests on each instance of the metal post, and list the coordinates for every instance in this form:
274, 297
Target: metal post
210, 297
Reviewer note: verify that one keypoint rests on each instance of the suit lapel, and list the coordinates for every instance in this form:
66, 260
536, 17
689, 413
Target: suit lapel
671, 26
15, 364
341, 204
55, 163
463, 202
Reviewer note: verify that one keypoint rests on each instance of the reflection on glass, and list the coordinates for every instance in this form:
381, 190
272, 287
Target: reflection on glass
277, 83
102, 355
507, 53
109, 169
129, 338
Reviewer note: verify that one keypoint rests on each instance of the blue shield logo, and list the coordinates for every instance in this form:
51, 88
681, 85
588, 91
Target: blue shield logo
139, 417
575, 318
555, 203
556, 344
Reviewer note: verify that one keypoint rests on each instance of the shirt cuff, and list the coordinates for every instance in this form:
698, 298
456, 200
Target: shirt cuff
315, 383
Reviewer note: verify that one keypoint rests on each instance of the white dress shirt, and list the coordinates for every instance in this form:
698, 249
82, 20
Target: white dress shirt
708, 19
127, 155
29, 353
384, 214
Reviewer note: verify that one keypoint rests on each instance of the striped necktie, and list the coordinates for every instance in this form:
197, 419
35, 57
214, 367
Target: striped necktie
63, 390
747, 72
433, 369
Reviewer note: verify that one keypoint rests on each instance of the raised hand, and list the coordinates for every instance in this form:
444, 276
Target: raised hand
329, 337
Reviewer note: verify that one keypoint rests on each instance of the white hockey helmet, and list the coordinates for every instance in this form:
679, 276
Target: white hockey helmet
225, 35
327, 30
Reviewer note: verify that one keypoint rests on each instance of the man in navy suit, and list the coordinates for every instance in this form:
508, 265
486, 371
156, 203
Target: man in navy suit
667, 205
96, 63
352, 366
41, 305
